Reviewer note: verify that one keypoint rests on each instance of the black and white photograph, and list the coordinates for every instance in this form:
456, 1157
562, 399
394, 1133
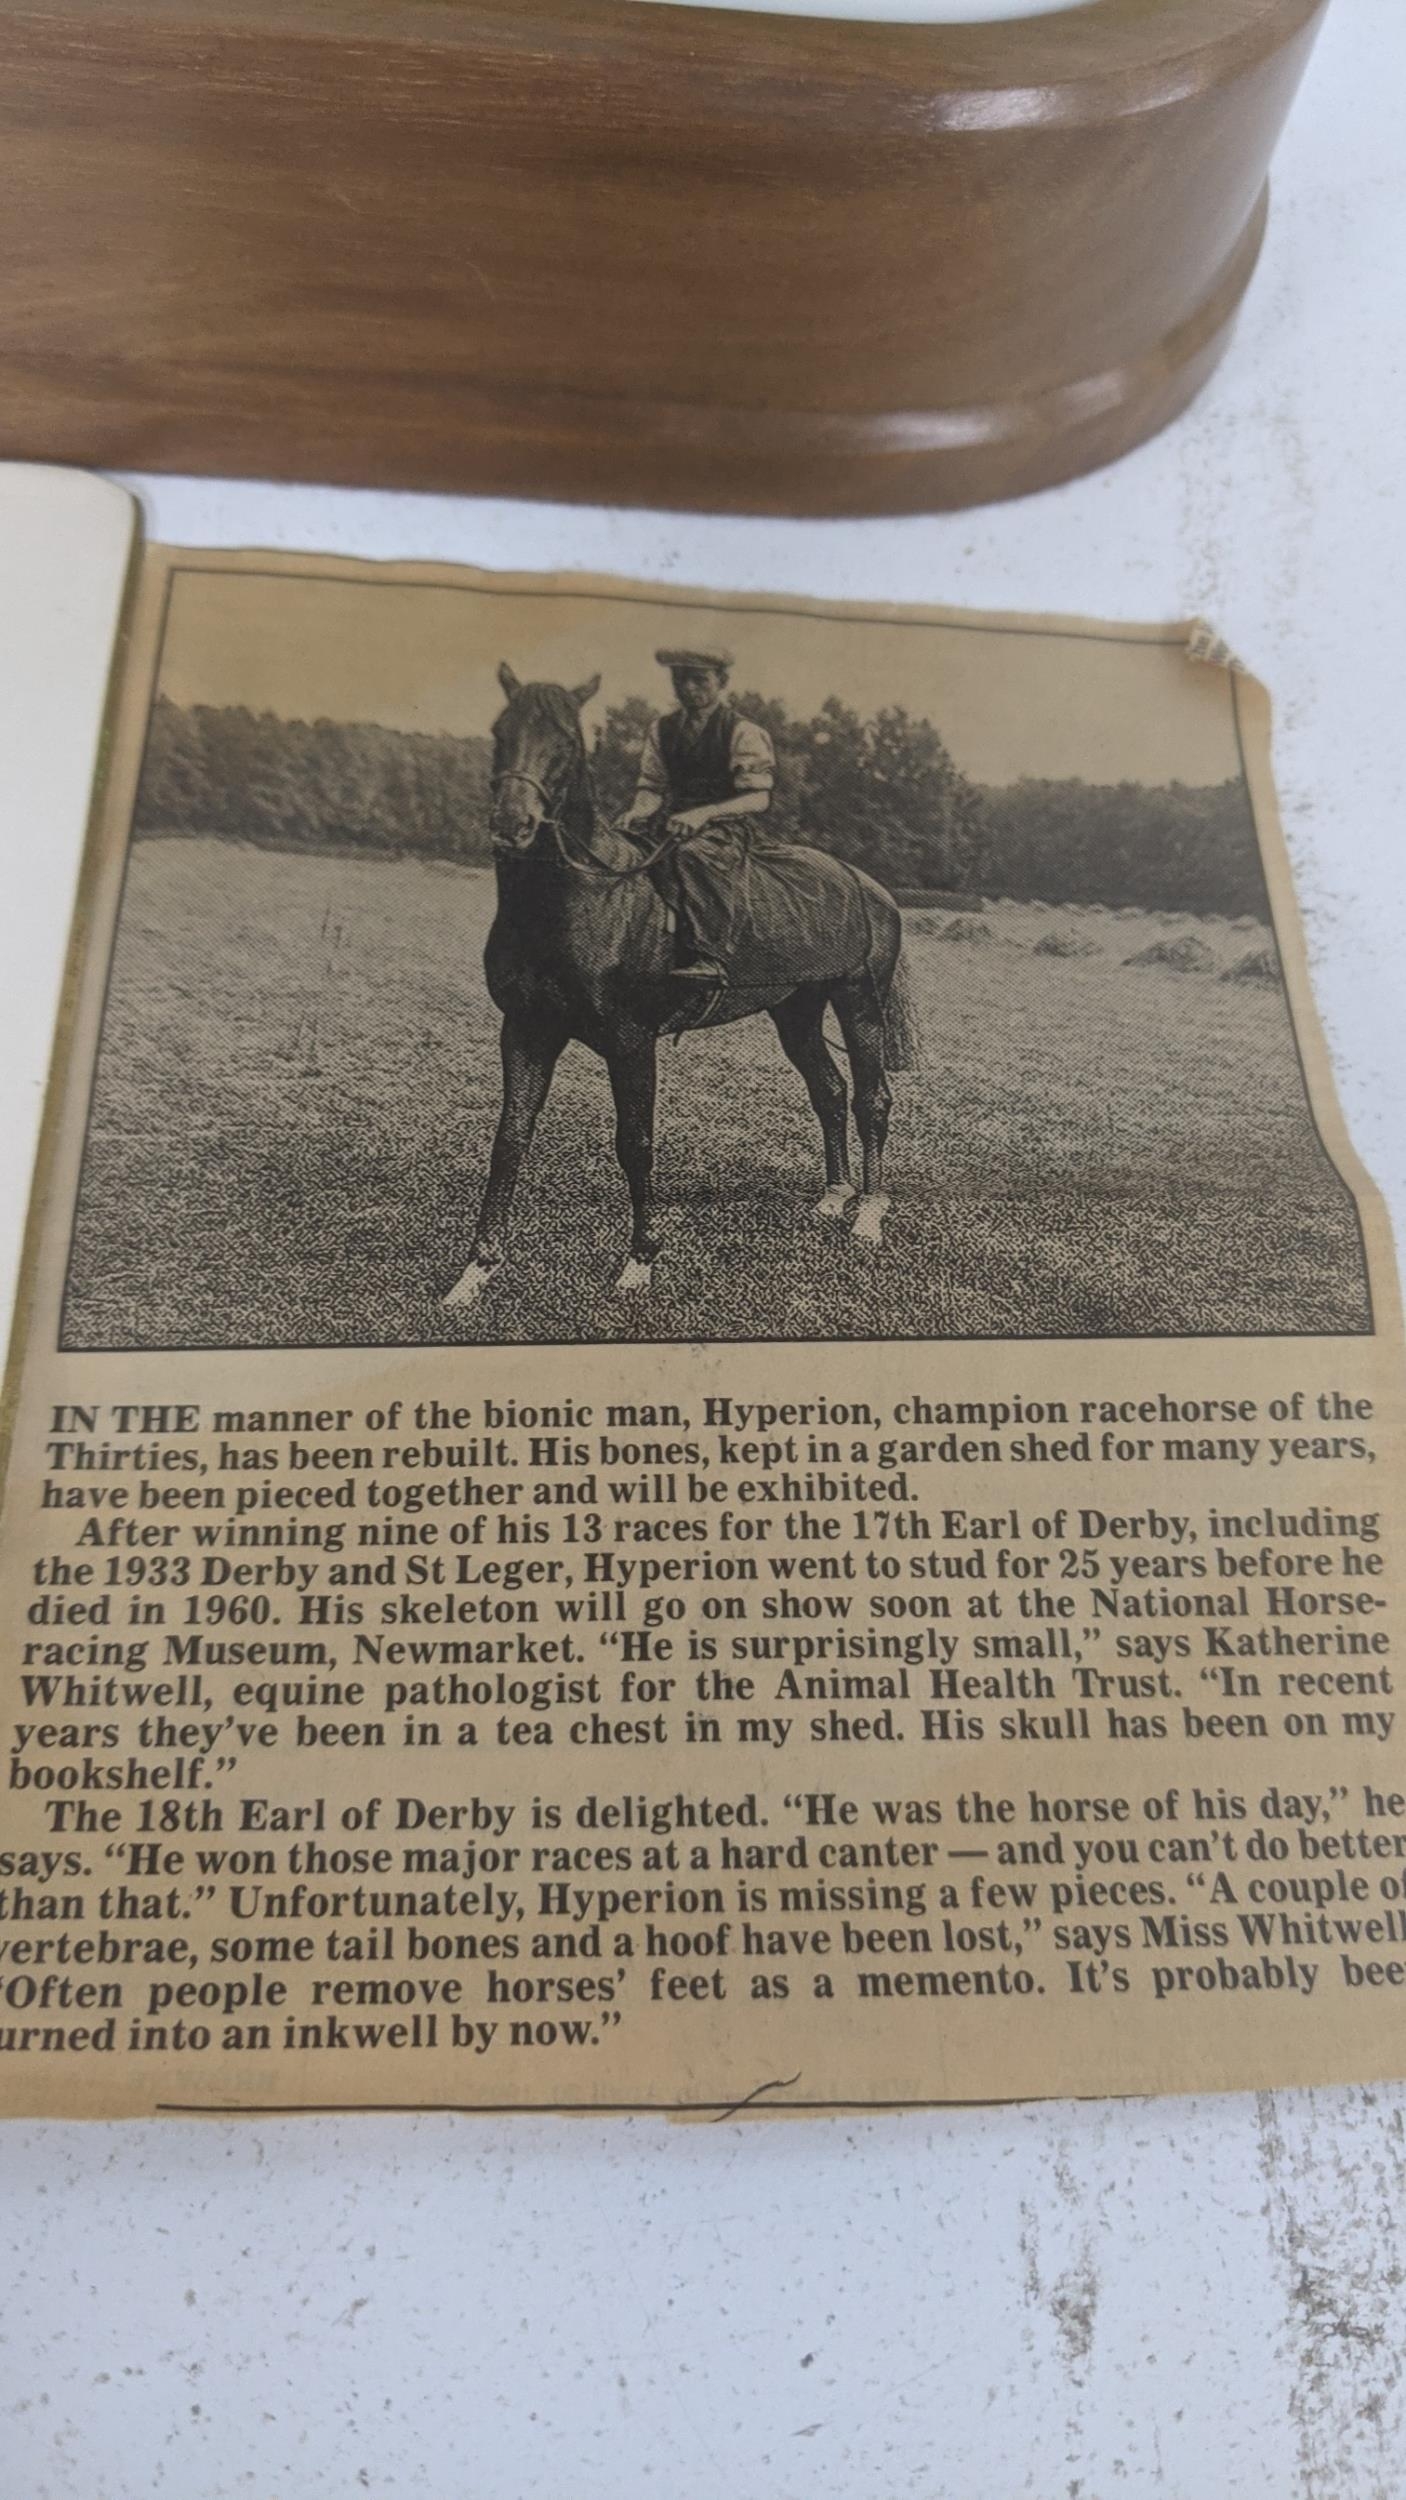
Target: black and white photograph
543, 963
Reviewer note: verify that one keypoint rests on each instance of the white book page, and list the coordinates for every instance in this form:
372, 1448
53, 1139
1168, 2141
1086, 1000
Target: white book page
65, 545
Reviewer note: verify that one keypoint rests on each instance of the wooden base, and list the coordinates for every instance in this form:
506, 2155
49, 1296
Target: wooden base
625, 254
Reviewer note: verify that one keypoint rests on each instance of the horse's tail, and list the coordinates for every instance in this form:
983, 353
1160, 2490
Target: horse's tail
902, 1034
902, 1040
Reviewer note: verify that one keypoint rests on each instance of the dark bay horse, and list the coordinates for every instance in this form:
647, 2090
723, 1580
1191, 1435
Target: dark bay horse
581, 950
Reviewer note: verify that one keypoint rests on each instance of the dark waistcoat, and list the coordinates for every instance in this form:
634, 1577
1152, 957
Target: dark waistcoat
699, 769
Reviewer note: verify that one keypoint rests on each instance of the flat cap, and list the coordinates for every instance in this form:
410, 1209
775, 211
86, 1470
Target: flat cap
698, 655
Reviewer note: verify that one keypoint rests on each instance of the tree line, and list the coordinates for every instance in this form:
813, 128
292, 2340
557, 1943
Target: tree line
883, 792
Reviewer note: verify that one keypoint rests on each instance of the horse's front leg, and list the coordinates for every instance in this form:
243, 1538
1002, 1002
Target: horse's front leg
632, 1082
530, 1055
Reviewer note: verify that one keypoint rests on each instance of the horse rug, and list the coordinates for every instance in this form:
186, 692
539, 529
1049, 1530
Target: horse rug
772, 912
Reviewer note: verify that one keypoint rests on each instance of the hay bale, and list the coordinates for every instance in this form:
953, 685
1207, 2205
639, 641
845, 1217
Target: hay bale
936, 898
1261, 964
1063, 942
1182, 954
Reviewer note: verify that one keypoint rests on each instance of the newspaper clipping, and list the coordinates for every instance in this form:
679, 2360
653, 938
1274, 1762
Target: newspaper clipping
705, 1394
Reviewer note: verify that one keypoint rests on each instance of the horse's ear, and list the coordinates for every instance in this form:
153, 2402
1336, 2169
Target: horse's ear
581, 695
509, 680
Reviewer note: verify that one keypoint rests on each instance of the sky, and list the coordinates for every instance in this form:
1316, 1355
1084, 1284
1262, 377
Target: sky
1009, 697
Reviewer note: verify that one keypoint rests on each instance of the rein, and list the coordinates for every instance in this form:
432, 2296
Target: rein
599, 871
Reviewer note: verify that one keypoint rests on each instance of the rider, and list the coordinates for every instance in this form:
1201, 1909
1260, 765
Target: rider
705, 766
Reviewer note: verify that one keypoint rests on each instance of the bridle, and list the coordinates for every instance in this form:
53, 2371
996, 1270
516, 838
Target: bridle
547, 816
592, 866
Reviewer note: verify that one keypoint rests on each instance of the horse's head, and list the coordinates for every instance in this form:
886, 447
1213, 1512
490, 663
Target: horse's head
537, 752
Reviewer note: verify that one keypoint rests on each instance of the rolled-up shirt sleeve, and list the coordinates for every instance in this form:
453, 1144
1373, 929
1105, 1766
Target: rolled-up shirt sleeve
753, 758
653, 782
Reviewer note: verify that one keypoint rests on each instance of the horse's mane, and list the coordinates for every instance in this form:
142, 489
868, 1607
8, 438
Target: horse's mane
558, 706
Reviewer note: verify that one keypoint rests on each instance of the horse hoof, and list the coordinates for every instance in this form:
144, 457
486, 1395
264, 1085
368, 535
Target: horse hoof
837, 1201
476, 1275
869, 1222
635, 1276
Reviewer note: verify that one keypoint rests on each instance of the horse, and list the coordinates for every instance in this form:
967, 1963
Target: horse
581, 950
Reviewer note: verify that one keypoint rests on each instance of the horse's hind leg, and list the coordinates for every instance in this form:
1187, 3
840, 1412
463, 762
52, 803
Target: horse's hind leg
632, 1082
800, 1022
529, 1060
858, 1006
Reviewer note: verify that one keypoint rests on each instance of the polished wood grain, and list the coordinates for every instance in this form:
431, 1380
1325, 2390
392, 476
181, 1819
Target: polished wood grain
601, 251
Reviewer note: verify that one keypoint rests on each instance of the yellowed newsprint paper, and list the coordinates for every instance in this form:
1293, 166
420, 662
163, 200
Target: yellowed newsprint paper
708, 1412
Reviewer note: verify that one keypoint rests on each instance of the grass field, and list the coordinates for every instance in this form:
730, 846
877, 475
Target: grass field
298, 1086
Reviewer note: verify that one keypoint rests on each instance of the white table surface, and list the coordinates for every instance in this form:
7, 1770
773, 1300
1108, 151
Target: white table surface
1174, 2300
